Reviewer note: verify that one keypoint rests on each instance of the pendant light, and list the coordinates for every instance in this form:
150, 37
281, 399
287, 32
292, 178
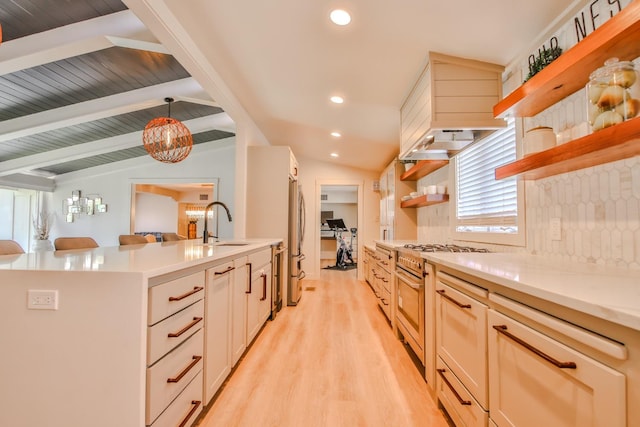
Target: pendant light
167, 140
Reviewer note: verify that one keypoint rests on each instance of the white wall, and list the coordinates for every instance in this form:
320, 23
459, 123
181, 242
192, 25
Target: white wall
156, 213
313, 174
205, 163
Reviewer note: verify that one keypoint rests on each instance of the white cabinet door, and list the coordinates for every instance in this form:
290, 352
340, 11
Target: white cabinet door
255, 303
239, 309
461, 338
217, 328
537, 381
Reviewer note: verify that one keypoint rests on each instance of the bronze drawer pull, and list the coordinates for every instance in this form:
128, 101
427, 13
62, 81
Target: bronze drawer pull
196, 405
195, 361
562, 365
250, 273
188, 294
453, 390
220, 273
442, 293
264, 287
185, 329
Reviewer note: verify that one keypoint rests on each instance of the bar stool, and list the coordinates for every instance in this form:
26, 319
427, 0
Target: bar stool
132, 239
10, 247
172, 237
66, 243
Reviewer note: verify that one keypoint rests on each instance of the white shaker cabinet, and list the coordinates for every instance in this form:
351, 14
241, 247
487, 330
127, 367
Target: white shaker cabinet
217, 328
538, 381
396, 223
239, 290
259, 292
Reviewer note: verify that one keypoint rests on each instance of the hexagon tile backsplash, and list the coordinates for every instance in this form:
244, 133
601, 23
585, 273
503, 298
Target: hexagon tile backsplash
599, 209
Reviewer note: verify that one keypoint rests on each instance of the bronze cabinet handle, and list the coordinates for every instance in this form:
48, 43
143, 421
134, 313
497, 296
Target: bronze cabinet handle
196, 405
220, 273
249, 275
264, 287
195, 361
453, 390
185, 329
442, 293
562, 365
195, 290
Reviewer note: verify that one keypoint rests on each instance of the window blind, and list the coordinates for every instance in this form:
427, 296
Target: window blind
482, 203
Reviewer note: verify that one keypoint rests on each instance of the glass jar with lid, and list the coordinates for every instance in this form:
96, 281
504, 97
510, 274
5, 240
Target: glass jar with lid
613, 94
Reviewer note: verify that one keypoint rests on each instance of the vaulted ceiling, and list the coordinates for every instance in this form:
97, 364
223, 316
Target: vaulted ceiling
79, 79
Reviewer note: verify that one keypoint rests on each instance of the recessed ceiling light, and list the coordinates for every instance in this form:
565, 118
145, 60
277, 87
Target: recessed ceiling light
340, 17
337, 99
336, 134
334, 155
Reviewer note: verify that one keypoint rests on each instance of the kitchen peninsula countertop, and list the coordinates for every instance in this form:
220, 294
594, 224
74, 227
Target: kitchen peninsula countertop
605, 292
151, 259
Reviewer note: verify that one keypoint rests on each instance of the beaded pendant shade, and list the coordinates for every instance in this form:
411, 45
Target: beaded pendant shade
167, 139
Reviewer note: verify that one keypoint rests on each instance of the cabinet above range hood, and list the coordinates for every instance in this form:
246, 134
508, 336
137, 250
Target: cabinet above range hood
450, 107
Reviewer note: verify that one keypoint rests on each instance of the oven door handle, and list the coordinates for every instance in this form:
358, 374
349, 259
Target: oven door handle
406, 279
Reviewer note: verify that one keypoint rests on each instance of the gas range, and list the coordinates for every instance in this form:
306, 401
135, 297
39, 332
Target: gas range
435, 247
408, 257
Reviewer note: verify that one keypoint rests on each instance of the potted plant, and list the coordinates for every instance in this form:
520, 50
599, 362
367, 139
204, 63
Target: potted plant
42, 226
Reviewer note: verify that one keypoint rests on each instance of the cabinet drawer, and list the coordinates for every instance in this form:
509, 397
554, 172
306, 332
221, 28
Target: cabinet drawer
167, 378
173, 296
167, 334
461, 338
538, 381
260, 259
187, 406
463, 409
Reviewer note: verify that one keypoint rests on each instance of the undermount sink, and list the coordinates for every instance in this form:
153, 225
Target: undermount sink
231, 244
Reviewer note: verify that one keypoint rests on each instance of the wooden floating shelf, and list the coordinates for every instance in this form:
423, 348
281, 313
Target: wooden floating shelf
425, 200
607, 145
423, 168
618, 37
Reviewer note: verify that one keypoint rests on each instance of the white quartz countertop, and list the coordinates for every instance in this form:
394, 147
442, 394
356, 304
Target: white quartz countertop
608, 293
151, 259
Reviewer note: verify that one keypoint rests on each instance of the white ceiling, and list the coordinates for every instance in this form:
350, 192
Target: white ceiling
281, 60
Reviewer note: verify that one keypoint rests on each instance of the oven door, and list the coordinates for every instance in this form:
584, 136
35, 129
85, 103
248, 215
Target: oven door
410, 310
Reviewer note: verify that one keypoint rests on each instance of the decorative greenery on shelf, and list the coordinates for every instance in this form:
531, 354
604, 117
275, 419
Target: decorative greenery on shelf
42, 226
546, 57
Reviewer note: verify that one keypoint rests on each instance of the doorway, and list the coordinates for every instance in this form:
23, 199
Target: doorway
339, 221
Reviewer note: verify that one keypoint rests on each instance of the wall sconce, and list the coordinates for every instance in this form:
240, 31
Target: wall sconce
77, 205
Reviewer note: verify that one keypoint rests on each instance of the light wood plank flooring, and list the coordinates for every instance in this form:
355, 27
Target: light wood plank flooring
331, 361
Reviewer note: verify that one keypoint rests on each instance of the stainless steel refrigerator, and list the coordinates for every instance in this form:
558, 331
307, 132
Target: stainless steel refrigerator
296, 238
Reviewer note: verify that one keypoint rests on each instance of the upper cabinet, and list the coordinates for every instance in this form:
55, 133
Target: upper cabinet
618, 37
452, 100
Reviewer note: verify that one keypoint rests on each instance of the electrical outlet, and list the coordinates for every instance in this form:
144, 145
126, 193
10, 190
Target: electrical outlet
555, 229
42, 299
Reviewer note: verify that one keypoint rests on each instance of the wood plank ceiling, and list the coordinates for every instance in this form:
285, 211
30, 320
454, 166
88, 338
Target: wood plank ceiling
79, 80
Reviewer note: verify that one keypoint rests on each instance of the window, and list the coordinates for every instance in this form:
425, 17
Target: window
487, 210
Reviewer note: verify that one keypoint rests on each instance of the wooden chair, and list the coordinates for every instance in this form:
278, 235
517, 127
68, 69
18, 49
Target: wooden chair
132, 239
150, 238
66, 243
171, 237
10, 247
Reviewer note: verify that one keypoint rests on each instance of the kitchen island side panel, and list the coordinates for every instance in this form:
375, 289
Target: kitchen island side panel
83, 364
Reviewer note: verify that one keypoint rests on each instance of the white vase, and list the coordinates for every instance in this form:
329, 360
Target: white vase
42, 245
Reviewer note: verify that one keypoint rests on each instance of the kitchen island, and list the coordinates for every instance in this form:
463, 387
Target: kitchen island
511, 328
86, 352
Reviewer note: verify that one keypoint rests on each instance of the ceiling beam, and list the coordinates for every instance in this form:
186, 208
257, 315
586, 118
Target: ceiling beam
220, 121
121, 103
116, 29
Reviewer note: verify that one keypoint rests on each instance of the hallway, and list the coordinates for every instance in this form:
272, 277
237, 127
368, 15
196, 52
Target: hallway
331, 361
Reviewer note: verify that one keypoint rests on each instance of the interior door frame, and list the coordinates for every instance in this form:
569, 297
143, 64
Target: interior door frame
339, 182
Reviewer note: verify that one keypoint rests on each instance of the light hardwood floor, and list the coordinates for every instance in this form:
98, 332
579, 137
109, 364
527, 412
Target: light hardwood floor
331, 361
